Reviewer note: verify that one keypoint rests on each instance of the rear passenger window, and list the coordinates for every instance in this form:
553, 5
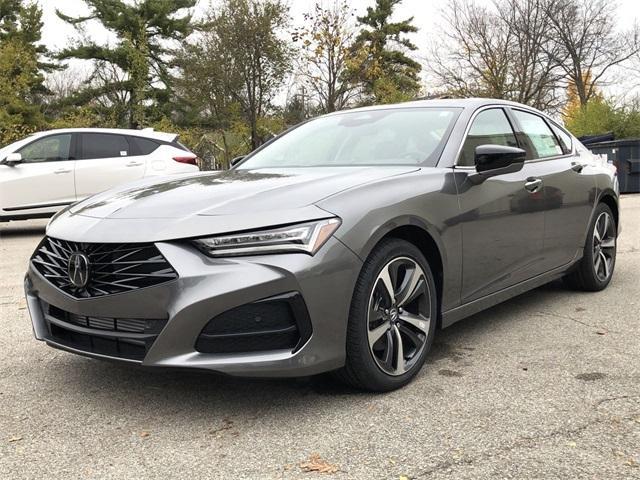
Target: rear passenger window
142, 146
543, 141
490, 127
564, 137
102, 145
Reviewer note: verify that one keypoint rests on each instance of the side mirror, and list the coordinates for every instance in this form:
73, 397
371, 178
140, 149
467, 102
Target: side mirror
494, 160
236, 160
12, 159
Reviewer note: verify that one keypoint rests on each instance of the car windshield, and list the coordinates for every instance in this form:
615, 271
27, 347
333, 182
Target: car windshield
408, 136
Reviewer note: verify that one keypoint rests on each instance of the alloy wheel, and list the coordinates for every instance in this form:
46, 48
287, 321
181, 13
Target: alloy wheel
604, 246
399, 316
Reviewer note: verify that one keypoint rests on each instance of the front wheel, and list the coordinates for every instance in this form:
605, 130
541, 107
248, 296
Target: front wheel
594, 271
392, 319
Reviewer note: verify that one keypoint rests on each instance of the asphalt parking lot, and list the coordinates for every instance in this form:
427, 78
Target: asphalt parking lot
544, 386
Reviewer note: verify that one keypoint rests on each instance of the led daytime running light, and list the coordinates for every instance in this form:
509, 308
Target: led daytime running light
306, 238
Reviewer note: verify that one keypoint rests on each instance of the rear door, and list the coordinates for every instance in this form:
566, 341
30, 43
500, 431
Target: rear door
502, 217
106, 160
44, 181
569, 187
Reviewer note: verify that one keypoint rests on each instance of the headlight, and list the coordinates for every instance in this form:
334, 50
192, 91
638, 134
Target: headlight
303, 237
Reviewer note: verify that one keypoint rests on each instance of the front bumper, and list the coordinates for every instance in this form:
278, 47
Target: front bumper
206, 288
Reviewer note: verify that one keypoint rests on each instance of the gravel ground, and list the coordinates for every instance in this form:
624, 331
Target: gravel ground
544, 386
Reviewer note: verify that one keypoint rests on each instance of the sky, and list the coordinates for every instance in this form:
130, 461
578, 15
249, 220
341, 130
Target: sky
427, 17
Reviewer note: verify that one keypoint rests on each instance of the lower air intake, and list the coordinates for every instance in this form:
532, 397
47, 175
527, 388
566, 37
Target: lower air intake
275, 323
126, 338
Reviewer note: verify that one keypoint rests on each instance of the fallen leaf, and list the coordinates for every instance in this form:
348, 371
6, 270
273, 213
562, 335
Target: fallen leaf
15, 439
571, 444
144, 434
315, 463
402, 477
580, 309
601, 332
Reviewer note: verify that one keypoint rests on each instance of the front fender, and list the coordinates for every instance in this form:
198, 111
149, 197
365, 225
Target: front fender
423, 200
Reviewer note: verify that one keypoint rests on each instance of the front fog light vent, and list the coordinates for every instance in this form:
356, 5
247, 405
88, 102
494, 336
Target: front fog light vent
275, 323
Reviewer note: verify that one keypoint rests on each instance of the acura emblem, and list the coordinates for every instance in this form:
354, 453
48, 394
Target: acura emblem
78, 269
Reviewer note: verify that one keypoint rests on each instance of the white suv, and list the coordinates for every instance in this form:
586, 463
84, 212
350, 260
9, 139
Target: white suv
46, 171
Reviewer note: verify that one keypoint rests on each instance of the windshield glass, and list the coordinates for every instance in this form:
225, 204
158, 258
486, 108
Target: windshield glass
409, 136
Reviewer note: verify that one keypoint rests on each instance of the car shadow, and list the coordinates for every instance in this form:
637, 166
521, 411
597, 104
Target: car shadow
110, 385
9, 230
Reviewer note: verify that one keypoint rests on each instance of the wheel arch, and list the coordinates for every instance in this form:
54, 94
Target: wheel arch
609, 198
425, 238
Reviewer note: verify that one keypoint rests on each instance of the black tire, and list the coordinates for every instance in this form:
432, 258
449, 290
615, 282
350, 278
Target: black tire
362, 370
587, 275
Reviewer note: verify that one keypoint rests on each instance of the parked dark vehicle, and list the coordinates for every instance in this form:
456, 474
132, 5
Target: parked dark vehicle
340, 246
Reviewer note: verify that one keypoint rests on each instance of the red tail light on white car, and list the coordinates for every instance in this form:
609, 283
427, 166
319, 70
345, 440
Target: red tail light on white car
189, 159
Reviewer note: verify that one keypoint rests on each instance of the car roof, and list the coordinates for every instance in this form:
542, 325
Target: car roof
145, 133
466, 103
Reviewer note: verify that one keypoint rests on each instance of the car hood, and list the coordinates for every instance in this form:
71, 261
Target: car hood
209, 203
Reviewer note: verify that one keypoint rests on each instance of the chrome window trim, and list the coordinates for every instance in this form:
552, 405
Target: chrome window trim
555, 124
468, 127
547, 121
504, 106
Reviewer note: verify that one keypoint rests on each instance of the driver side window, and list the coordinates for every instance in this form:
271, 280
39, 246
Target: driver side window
490, 127
48, 149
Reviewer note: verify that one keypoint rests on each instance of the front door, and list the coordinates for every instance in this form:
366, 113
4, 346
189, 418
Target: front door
43, 182
502, 218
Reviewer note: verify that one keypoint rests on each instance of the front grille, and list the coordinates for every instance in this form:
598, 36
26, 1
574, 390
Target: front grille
275, 323
113, 267
127, 338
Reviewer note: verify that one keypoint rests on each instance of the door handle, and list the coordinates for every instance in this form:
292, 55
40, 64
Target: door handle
61, 170
133, 164
577, 166
533, 184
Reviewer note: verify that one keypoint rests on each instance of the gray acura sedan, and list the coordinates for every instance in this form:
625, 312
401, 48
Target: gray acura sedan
341, 245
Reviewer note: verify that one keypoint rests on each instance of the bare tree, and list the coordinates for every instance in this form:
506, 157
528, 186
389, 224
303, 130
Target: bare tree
65, 82
325, 53
472, 57
502, 52
534, 73
589, 43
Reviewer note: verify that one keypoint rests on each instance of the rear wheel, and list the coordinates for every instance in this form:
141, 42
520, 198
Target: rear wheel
595, 269
392, 319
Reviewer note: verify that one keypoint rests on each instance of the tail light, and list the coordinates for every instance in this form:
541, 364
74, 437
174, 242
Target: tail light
191, 160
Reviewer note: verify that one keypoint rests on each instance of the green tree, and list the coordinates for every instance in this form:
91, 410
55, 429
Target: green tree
601, 115
208, 90
21, 69
250, 32
380, 63
135, 71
